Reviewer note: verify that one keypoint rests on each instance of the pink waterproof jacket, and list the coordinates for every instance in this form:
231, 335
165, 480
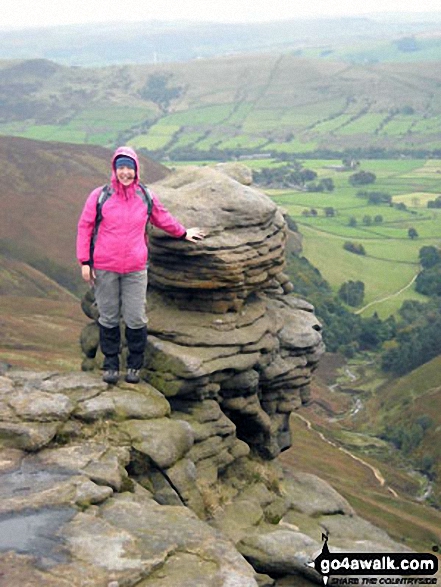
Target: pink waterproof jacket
121, 242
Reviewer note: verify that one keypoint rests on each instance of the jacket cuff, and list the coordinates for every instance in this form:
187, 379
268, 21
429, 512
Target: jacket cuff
182, 237
86, 263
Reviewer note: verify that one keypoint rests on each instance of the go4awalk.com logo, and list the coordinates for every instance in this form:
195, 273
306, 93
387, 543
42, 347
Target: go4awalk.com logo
375, 569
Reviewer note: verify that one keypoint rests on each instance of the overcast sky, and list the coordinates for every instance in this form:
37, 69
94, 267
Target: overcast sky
30, 13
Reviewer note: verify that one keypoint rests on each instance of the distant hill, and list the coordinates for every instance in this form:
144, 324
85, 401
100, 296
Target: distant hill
19, 279
44, 187
227, 106
354, 38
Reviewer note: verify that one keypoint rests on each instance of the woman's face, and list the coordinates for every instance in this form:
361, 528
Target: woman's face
125, 175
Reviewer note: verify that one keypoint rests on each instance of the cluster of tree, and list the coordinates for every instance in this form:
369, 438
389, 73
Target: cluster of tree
352, 293
343, 331
375, 198
403, 345
368, 220
157, 91
324, 185
291, 175
356, 248
192, 153
329, 211
434, 203
418, 336
408, 436
417, 340
360, 153
428, 281
309, 212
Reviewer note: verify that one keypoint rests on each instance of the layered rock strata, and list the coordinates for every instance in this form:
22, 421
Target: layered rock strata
175, 481
223, 325
244, 251
102, 487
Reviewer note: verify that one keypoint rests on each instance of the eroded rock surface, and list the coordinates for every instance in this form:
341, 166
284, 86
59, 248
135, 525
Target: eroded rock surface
130, 491
223, 323
175, 481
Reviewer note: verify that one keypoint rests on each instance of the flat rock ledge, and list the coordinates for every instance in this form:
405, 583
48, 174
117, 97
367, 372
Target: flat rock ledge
107, 486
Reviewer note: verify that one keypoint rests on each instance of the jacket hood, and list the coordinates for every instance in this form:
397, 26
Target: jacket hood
126, 152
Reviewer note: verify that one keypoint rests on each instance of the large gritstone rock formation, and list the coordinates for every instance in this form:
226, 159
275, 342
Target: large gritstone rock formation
175, 481
223, 325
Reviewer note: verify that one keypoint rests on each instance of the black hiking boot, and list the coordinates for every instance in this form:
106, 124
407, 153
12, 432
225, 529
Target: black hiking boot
132, 376
111, 377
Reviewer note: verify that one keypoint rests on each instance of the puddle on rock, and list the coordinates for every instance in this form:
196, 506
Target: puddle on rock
32, 531
35, 533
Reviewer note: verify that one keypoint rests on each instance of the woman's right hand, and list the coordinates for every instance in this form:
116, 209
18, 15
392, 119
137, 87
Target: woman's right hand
88, 274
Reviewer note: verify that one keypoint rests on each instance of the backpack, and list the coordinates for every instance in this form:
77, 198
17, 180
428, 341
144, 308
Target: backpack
142, 191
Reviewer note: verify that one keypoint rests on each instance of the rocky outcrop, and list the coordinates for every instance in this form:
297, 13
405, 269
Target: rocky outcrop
175, 481
223, 324
104, 486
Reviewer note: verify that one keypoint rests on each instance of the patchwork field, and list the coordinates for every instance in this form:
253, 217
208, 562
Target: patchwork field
391, 262
263, 102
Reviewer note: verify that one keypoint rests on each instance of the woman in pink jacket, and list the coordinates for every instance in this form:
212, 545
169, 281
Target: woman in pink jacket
114, 259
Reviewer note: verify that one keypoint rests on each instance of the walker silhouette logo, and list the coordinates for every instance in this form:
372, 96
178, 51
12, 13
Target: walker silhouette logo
368, 569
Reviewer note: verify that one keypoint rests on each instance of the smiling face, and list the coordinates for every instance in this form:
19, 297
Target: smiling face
125, 175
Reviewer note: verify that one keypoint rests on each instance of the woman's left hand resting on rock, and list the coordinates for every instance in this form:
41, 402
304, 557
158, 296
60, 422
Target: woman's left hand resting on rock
194, 234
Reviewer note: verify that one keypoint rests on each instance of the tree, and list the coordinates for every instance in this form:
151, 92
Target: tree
428, 282
356, 248
352, 293
156, 90
374, 331
418, 338
352, 221
362, 178
412, 233
429, 257
329, 212
375, 197
367, 220
328, 184
378, 219
434, 203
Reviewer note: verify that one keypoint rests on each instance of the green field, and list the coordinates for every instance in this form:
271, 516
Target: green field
262, 102
391, 261
97, 126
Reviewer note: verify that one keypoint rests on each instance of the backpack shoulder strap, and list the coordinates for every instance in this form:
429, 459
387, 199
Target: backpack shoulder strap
105, 194
147, 198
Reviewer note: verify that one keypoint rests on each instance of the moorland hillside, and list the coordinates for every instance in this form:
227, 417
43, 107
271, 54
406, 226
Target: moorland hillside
44, 187
245, 103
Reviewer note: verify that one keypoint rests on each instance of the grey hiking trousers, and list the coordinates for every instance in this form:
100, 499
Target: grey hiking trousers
121, 294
